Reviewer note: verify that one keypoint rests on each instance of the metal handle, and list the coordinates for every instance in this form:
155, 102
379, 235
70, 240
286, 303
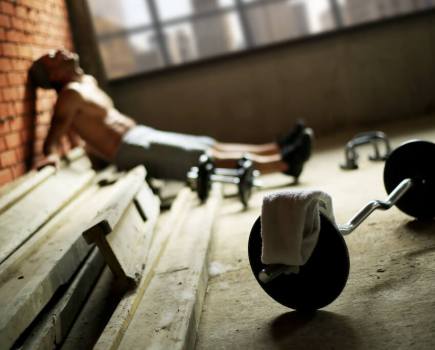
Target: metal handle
373, 138
225, 179
392, 199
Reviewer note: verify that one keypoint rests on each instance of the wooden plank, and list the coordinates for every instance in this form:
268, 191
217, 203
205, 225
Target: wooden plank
119, 245
147, 203
168, 314
27, 183
18, 188
94, 315
40, 236
123, 249
107, 219
118, 324
6, 188
99, 307
26, 216
52, 328
29, 282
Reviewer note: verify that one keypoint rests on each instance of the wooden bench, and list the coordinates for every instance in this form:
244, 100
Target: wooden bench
47, 268
86, 257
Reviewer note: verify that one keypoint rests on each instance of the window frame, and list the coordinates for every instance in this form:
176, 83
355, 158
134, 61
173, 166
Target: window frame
240, 9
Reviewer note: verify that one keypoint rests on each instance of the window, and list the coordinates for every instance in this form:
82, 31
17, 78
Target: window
355, 11
136, 36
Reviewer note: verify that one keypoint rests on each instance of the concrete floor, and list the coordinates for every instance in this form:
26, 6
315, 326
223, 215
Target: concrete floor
389, 299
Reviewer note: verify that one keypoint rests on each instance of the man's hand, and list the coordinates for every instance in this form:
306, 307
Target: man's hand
53, 160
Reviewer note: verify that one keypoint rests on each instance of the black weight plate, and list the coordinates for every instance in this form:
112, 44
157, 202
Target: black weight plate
319, 282
415, 160
203, 183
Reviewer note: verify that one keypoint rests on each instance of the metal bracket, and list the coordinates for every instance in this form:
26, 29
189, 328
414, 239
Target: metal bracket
373, 138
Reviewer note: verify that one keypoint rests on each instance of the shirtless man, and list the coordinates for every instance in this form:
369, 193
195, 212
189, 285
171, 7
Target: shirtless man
82, 108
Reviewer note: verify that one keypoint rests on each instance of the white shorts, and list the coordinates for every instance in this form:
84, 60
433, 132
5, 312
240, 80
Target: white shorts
165, 155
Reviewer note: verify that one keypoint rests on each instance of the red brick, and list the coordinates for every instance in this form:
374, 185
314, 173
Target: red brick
19, 170
10, 94
33, 15
5, 21
14, 36
21, 92
17, 124
2, 34
4, 126
20, 154
18, 23
3, 80
24, 107
8, 158
10, 109
10, 50
20, 65
5, 64
2, 143
21, 11
13, 140
7, 7
24, 51
3, 110
5, 176
17, 78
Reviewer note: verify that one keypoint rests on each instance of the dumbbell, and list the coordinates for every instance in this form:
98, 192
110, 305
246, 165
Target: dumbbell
409, 179
370, 137
201, 177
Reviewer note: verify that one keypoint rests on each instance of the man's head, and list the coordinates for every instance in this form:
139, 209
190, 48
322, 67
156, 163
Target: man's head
55, 69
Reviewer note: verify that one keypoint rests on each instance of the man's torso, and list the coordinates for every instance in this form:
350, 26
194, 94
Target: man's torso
96, 120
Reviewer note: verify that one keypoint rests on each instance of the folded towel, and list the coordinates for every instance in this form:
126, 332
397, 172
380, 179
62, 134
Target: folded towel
290, 225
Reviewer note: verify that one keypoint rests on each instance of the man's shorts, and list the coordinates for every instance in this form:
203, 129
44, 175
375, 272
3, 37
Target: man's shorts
165, 155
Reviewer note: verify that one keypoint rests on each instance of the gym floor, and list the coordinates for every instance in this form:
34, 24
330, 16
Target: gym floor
389, 299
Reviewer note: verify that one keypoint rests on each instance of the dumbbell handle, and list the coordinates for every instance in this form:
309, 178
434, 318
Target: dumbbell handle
272, 271
392, 199
225, 179
226, 171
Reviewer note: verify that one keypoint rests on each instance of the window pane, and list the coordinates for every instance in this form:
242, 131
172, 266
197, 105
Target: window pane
288, 19
320, 15
181, 43
355, 11
128, 54
170, 9
217, 34
113, 15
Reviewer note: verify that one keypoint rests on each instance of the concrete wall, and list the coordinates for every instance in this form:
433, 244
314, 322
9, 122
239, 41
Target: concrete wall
374, 72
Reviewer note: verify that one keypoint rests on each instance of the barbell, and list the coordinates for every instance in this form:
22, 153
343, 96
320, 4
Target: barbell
409, 179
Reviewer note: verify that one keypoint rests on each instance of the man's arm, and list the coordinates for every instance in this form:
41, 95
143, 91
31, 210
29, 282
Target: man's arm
64, 111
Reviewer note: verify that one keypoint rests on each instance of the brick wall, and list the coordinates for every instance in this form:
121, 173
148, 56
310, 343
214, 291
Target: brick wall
28, 29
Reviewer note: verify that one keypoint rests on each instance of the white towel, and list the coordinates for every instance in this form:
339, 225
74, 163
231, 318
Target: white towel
290, 225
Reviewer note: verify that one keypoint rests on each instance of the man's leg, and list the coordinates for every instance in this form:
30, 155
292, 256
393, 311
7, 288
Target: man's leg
271, 148
289, 160
264, 163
